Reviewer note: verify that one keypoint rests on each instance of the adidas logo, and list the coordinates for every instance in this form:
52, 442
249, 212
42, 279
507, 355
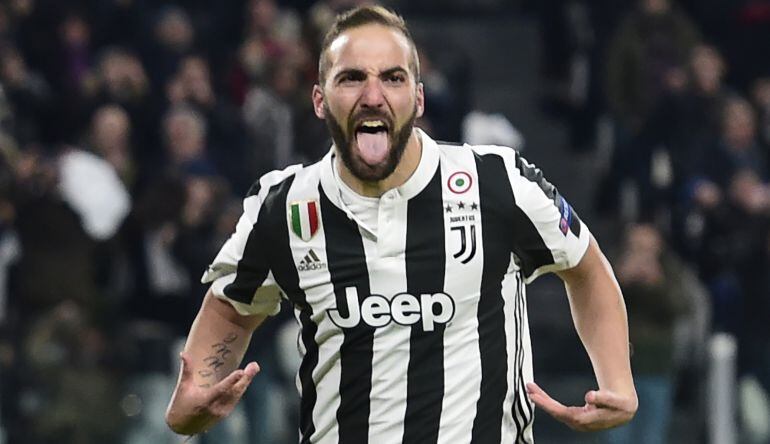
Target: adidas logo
311, 262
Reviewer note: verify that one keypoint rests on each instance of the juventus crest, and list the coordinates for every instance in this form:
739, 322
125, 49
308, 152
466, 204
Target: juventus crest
462, 218
467, 243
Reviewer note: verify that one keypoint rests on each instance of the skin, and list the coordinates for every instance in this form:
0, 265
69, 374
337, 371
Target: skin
599, 315
210, 383
369, 76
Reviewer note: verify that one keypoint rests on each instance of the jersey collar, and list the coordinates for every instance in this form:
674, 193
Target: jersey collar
412, 187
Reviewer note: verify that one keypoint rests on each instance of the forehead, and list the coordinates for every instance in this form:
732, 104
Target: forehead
370, 47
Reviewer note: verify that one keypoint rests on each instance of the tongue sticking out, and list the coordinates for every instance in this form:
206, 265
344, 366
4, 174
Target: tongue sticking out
373, 147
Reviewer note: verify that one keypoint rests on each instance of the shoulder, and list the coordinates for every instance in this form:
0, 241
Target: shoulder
489, 160
523, 176
265, 193
480, 154
463, 150
277, 178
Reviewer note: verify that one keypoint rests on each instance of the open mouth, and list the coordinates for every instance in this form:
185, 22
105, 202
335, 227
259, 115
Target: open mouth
372, 126
372, 140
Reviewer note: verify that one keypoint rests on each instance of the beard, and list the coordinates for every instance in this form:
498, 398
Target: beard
397, 137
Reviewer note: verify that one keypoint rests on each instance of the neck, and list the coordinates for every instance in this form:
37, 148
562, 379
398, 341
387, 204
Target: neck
406, 167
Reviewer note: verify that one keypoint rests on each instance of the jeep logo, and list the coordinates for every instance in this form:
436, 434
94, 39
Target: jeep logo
404, 309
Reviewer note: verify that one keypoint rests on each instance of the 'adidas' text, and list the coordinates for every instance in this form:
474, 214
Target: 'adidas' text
311, 262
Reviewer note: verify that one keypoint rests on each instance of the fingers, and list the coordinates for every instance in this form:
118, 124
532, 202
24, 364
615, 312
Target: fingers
599, 418
612, 400
571, 416
248, 374
236, 382
601, 398
603, 409
545, 402
229, 381
202, 408
228, 392
252, 368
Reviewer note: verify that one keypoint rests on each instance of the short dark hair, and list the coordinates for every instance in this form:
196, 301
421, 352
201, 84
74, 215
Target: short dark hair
361, 16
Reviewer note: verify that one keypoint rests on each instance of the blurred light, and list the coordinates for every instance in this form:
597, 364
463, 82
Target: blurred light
131, 405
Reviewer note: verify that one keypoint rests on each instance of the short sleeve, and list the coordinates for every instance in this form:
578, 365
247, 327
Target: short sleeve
549, 235
240, 273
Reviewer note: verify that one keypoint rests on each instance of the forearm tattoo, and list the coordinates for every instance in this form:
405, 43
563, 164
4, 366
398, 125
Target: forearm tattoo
220, 352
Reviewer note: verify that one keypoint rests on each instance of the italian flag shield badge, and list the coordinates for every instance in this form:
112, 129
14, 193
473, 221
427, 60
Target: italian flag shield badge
303, 219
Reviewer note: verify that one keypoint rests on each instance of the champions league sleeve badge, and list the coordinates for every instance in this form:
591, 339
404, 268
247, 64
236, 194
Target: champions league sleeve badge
566, 215
569, 220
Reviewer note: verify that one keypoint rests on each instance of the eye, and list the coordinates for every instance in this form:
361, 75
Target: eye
350, 77
396, 78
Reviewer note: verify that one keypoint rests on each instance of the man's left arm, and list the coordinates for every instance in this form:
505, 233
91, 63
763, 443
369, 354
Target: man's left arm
599, 314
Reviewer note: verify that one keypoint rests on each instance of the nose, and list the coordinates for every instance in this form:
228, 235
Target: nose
372, 95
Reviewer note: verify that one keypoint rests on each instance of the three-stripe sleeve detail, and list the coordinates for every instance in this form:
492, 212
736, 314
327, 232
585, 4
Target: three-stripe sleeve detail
528, 244
521, 408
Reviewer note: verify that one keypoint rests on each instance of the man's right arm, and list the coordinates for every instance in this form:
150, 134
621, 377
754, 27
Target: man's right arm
210, 384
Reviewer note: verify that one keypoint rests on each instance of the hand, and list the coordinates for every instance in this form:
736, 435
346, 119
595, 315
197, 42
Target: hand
194, 409
603, 409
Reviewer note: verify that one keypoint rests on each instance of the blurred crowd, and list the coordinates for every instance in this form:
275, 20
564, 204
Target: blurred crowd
131, 129
675, 96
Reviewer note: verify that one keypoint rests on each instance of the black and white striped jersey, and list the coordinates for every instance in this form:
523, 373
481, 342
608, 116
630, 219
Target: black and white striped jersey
418, 333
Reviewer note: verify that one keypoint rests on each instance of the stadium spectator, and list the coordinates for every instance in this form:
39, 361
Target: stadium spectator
68, 357
652, 280
575, 36
184, 137
321, 16
739, 147
647, 53
76, 57
29, 96
760, 97
192, 85
645, 61
681, 130
732, 237
174, 38
699, 114
120, 78
269, 122
110, 137
278, 29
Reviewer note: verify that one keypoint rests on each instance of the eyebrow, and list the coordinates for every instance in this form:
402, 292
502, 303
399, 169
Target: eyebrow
385, 73
393, 70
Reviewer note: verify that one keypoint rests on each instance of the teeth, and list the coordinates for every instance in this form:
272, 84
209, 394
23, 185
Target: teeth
372, 123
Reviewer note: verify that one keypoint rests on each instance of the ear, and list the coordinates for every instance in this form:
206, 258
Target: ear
420, 99
318, 102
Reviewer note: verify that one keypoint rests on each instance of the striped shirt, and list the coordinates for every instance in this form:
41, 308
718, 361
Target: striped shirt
413, 331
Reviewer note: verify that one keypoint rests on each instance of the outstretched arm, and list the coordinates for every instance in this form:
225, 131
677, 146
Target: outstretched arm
599, 314
209, 384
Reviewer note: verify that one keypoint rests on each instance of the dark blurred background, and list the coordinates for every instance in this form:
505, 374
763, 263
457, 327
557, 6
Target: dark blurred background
131, 129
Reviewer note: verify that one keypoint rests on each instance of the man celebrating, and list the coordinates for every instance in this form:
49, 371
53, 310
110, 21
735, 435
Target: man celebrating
405, 261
